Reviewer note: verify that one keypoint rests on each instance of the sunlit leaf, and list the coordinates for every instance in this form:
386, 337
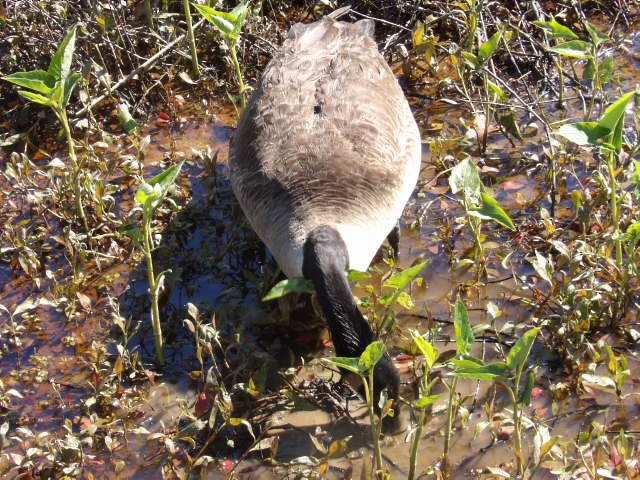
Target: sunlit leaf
425, 401
521, 349
488, 48
464, 178
462, 328
153, 192
597, 37
542, 266
37, 80
494, 371
371, 355
490, 209
347, 363
498, 93
36, 98
289, 285
583, 133
61, 62
355, 275
428, 351
556, 30
471, 60
613, 119
573, 48
401, 279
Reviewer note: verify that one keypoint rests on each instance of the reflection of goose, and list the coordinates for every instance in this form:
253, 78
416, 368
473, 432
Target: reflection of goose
323, 161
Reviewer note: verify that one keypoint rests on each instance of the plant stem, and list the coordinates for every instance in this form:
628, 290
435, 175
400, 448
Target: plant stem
75, 180
447, 433
375, 433
614, 207
148, 12
241, 87
192, 41
153, 289
414, 445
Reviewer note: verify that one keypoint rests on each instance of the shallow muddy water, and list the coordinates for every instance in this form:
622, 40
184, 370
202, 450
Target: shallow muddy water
57, 358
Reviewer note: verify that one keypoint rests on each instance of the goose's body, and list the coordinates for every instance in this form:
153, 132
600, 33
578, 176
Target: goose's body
323, 161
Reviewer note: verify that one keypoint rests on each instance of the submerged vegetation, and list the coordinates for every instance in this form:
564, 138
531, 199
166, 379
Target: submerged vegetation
513, 312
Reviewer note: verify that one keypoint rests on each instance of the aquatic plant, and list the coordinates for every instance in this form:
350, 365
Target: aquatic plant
149, 196
230, 24
53, 88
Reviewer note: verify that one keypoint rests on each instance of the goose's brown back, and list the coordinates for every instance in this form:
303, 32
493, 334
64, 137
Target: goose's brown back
327, 139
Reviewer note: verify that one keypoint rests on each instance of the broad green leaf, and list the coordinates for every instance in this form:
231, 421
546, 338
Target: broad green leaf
498, 93
464, 178
425, 401
597, 37
404, 300
427, 350
36, 98
525, 395
471, 60
403, 278
69, 85
556, 30
355, 275
347, 363
371, 355
61, 62
37, 80
462, 328
488, 48
229, 24
583, 133
521, 349
613, 119
152, 197
466, 362
494, 371
490, 209
607, 69
573, 48
632, 234
144, 193
289, 285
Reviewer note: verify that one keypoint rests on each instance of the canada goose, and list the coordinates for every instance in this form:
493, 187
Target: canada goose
323, 161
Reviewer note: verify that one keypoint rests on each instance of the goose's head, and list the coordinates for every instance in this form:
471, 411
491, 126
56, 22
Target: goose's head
325, 263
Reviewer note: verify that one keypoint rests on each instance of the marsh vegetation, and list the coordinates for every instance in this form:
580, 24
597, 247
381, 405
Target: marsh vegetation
135, 339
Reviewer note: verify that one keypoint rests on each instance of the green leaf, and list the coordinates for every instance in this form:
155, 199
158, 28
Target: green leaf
37, 80
613, 119
425, 401
145, 192
355, 275
462, 328
69, 85
556, 30
471, 60
607, 69
403, 278
597, 37
289, 285
427, 350
490, 209
466, 362
229, 24
160, 184
464, 178
573, 48
61, 62
488, 48
371, 355
494, 371
347, 363
583, 133
498, 93
404, 300
36, 98
521, 349
509, 123
525, 396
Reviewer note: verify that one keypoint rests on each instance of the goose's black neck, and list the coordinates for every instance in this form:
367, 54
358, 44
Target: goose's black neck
325, 264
